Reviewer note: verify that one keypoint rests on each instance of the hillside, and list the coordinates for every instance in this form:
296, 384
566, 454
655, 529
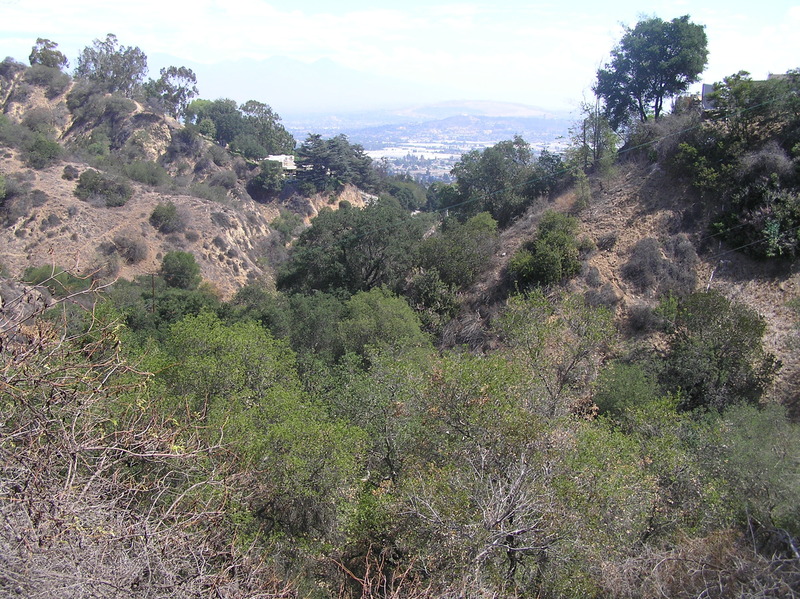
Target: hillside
558, 377
637, 201
45, 223
230, 237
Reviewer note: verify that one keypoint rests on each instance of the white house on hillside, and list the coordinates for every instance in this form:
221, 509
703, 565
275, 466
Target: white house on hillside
286, 160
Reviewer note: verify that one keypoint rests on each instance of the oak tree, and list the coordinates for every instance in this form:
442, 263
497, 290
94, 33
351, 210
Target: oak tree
653, 61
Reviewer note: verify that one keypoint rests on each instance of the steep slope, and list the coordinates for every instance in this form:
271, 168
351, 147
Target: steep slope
636, 202
58, 228
45, 224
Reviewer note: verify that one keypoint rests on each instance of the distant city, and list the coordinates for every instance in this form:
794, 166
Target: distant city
426, 142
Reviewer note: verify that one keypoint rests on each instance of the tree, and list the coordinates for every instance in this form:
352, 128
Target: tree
223, 113
376, 318
495, 180
44, 53
180, 270
268, 182
353, 249
592, 142
266, 127
173, 89
460, 251
653, 61
332, 163
113, 67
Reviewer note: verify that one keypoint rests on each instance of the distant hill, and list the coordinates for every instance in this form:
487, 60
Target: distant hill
454, 122
463, 128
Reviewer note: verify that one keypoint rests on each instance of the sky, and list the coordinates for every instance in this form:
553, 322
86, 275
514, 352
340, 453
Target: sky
544, 54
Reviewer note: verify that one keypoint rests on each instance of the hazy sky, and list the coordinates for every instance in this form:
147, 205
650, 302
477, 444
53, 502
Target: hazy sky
539, 53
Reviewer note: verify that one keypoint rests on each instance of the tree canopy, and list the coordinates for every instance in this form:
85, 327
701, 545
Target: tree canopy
180, 270
502, 180
653, 61
113, 67
173, 89
331, 163
252, 129
354, 249
44, 53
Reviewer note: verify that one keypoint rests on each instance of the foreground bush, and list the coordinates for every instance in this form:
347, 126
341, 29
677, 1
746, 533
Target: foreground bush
60, 282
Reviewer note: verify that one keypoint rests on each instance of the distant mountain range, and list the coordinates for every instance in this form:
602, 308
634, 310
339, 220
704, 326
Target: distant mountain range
473, 121
447, 124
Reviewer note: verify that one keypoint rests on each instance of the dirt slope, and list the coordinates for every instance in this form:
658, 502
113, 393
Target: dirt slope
638, 200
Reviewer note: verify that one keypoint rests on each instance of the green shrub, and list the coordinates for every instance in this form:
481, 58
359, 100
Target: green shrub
226, 179
185, 143
94, 185
621, 387
52, 79
42, 152
17, 184
39, 120
180, 270
552, 257
60, 282
165, 218
213, 193
716, 354
117, 107
10, 67
99, 144
434, 301
12, 134
461, 250
287, 225
70, 173
147, 172
218, 155
86, 102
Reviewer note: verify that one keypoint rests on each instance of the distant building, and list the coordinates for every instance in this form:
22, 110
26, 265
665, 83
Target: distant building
708, 103
286, 160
